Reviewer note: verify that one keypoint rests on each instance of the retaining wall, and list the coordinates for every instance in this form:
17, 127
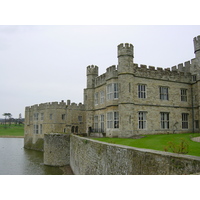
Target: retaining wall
89, 157
56, 149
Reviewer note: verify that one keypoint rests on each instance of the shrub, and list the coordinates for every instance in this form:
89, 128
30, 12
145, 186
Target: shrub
181, 148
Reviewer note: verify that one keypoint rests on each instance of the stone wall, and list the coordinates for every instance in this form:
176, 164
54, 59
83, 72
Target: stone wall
89, 157
56, 149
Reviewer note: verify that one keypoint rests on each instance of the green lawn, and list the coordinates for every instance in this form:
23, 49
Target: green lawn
12, 130
158, 142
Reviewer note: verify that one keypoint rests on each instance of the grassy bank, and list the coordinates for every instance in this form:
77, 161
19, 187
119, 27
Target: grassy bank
159, 142
11, 131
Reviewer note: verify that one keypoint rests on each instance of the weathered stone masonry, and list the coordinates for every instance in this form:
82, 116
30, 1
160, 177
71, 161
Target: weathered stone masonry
91, 157
127, 100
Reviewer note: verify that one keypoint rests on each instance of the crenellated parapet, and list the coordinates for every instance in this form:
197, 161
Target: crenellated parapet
111, 72
75, 106
92, 70
55, 105
100, 80
125, 50
49, 105
162, 74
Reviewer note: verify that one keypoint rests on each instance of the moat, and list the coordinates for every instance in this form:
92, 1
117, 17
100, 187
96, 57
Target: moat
15, 160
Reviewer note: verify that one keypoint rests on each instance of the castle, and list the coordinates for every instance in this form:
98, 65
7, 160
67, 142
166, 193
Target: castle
127, 100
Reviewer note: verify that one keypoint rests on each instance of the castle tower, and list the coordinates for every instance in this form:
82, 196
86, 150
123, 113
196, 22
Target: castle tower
196, 41
125, 81
92, 73
125, 58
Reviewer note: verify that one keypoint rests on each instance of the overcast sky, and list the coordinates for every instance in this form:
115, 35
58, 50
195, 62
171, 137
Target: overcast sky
48, 63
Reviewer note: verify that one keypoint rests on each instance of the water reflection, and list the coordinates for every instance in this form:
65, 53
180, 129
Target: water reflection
15, 160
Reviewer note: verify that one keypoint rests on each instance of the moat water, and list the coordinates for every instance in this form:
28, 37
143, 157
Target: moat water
15, 160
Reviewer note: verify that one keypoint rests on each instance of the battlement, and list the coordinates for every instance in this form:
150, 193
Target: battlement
111, 72
125, 49
92, 70
49, 105
75, 106
55, 105
172, 74
196, 41
99, 80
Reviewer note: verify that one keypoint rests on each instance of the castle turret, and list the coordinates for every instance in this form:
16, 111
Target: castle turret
197, 46
92, 72
125, 81
125, 58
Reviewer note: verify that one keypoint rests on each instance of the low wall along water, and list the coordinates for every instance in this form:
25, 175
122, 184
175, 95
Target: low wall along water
56, 149
90, 157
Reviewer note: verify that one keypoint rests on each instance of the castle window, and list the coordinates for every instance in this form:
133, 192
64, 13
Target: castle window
40, 128
185, 120
142, 91
116, 119
51, 116
112, 91
96, 123
164, 120
80, 118
116, 94
96, 96
194, 78
102, 96
63, 116
142, 120
109, 92
110, 120
42, 116
102, 123
183, 94
164, 93
36, 116
35, 129
113, 120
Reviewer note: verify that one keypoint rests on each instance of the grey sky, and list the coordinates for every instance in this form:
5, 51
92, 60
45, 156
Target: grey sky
41, 64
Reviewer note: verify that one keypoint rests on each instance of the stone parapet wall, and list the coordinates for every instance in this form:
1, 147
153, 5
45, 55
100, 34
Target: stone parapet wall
93, 157
56, 149
162, 74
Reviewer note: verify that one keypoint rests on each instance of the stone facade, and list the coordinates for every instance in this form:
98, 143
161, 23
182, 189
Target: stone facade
133, 100
127, 100
52, 118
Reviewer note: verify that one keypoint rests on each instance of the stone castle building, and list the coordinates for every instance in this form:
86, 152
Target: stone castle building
127, 100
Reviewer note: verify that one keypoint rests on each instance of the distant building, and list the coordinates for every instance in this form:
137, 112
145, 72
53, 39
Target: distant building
126, 100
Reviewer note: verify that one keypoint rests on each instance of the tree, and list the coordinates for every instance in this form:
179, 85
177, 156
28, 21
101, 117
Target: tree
6, 115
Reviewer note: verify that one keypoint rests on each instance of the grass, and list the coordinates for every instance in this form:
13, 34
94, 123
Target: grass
11, 131
158, 142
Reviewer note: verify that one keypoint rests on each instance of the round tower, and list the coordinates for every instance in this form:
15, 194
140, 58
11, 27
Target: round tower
92, 72
125, 57
197, 46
